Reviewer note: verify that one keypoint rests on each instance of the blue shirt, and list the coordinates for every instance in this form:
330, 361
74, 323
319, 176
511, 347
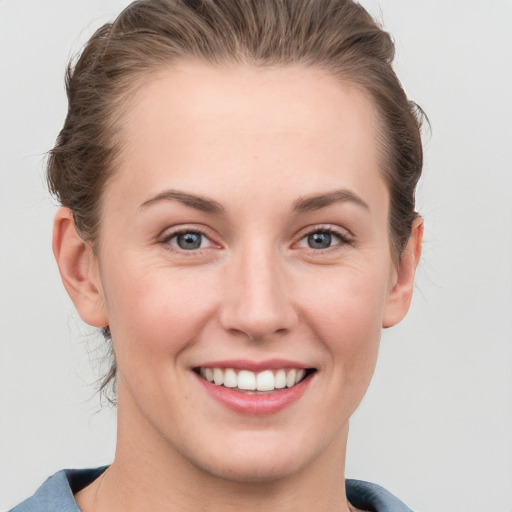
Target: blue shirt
56, 494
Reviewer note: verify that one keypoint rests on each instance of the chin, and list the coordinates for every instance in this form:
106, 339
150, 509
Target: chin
258, 458
253, 470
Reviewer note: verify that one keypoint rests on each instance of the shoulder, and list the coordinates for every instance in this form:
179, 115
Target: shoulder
368, 496
56, 494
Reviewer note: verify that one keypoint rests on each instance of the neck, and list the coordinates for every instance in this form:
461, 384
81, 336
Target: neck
152, 475
138, 485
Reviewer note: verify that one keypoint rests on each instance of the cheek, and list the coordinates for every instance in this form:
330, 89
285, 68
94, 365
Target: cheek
346, 312
154, 312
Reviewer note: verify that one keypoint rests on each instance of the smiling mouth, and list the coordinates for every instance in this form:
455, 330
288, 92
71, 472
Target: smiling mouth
246, 381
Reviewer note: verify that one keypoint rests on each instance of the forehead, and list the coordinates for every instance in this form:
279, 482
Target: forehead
275, 97
195, 122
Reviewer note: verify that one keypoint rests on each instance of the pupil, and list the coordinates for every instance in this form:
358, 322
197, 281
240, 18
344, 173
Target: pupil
319, 240
189, 241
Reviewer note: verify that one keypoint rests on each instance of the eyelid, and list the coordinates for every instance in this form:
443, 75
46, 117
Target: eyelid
346, 238
344, 235
168, 234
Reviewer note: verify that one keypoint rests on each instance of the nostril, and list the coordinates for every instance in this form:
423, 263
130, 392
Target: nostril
257, 325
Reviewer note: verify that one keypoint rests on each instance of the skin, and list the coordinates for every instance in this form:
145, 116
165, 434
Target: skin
257, 143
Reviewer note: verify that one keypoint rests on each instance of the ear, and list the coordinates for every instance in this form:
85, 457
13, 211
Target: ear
79, 270
400, 296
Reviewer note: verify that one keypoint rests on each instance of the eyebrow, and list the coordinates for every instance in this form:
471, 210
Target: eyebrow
316, 202
304, 204
193, 201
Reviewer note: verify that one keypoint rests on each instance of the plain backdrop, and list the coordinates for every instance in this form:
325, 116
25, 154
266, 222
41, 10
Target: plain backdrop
436, 425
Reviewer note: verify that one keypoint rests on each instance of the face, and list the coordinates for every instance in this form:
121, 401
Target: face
244, 240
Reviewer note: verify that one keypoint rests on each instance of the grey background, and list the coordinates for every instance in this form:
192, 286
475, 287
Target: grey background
436, 425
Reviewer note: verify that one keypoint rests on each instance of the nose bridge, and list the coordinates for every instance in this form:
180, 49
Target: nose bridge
257, 302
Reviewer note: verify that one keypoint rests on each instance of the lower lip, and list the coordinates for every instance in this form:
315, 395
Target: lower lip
256, 405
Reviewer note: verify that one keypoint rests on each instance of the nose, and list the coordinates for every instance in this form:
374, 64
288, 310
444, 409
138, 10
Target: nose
257, 300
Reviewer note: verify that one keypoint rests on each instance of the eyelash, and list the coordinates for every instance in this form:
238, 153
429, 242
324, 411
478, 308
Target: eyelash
166, 239
342, 236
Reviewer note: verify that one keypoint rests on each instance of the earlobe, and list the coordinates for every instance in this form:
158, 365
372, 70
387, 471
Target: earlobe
400, 296
79, 270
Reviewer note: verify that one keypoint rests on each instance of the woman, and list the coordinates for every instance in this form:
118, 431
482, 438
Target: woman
237, 186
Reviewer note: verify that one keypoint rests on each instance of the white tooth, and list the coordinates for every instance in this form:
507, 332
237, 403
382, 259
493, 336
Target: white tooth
300, 375
265, 381
208, 374
280, 379
290, 378
218, 376
246, 380
230, 379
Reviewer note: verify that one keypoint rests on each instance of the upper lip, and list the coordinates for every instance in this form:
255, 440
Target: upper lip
255, 366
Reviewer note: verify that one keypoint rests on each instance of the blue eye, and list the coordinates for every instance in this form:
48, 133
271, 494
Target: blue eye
322, 239
319, 240
189, 240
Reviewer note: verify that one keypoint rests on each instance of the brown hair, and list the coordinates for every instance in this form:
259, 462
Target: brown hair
338, 36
